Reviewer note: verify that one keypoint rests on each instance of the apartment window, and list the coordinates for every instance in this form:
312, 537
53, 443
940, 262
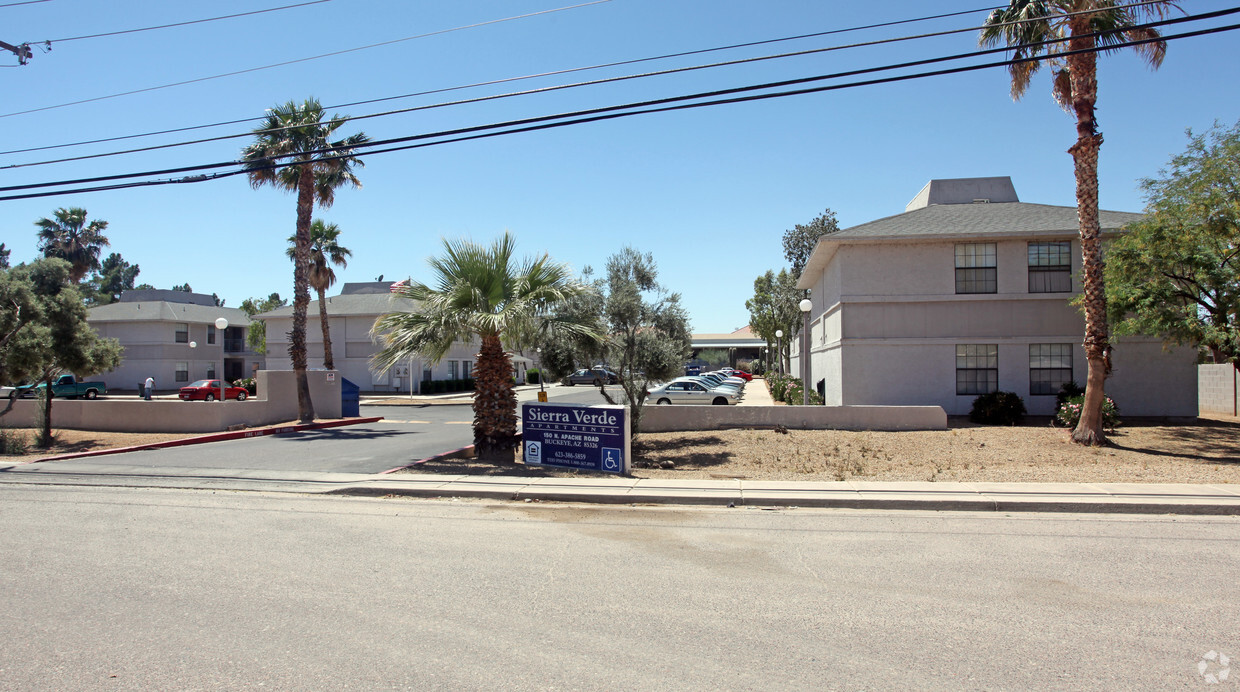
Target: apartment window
1050, 267
210, 335
210, 371
977, 368
466, 370
182, 332
454, 372
1050, 367
975, 268
182, 372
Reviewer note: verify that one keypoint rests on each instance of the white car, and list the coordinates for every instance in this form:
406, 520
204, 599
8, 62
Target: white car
690, 391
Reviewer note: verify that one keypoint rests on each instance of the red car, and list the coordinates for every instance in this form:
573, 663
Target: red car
209, 390
741, 374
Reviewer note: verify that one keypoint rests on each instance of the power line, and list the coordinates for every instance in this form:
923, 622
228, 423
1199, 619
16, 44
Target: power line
612, 112
176, 24
504, 80
27, 2
300, 60
588, 83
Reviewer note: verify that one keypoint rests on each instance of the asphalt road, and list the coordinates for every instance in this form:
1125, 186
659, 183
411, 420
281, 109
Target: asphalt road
158, 589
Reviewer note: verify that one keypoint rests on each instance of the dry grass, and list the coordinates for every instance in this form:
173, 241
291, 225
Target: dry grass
1206, 452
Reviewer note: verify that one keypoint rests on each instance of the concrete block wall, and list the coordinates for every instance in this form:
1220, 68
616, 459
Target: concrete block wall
1217, 389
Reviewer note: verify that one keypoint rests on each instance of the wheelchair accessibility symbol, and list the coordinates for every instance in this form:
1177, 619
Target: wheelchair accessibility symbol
611, 459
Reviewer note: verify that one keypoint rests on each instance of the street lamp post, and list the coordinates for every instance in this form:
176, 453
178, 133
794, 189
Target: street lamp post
779, 352
805, 306
222, 324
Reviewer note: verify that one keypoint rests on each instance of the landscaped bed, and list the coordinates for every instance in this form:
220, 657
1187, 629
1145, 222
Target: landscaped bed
1205, 452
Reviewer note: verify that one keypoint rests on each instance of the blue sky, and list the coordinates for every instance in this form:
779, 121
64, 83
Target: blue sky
708, 191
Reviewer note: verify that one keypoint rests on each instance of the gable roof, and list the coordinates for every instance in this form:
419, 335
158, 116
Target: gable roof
373, 304
164, 311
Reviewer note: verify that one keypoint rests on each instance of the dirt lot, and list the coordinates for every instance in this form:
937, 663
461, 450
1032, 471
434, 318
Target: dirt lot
1207, 452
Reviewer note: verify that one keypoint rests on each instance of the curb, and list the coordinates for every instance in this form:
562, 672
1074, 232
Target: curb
211, 437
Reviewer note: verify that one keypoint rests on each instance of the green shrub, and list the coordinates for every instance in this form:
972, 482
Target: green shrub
794, 393
778, 385
13, 443
998, 408
248, 383
1069, 413
1066, 391
532, 376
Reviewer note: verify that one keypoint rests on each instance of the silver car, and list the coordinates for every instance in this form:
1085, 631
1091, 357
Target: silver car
687, 391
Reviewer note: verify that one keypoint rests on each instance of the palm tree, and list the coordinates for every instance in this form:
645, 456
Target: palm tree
1076, 30
70, 238
480, 292
324, 252
292, 151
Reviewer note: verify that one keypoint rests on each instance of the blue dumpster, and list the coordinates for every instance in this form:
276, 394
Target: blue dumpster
350, 399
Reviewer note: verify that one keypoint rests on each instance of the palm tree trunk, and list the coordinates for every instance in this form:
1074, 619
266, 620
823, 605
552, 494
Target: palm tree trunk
327, 337
301, 292
495, 404
1083, 73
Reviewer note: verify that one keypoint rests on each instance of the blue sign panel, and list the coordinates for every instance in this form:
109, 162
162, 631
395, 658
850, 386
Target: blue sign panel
594, 438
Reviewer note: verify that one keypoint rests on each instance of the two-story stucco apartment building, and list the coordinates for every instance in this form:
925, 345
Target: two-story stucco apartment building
171, 336
968, 292
350, 317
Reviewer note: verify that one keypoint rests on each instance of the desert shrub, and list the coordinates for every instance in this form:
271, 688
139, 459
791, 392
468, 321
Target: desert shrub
13, 442
1069, 413
778, 385
998, 408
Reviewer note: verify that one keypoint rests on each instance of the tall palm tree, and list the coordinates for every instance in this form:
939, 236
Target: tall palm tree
1076, 30
293, 151
481, 292
70, 238
324, 252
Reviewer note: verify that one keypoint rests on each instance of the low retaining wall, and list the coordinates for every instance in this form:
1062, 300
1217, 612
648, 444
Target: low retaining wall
678, 418
276, 403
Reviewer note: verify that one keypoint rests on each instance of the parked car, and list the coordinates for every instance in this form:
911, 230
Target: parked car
741, 374
688, 390
718, 378
209, 390
591, 376
66, 386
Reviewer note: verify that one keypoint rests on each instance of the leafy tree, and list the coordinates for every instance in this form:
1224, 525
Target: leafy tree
4, 257
648, 329
144, 287
774, 307
256, 336
115, 276
219, 302
1177, 271
716, 357
47, 334
293, 151
183, 287
325, 250
1076, 28
800, 240
69, 237
486, 292
561, 353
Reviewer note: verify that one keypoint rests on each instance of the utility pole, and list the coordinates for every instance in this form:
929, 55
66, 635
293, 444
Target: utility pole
22, 51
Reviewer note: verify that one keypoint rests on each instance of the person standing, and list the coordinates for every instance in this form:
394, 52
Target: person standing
148, 387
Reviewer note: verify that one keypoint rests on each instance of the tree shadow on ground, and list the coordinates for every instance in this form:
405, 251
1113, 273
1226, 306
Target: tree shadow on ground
685, 453
477, 467
1206, 440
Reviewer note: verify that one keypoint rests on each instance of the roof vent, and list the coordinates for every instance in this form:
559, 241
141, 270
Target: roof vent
981, 201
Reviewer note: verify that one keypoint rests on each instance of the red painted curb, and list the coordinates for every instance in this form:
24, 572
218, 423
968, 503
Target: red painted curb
212, 437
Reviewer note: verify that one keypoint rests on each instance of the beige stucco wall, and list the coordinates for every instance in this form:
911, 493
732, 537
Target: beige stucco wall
276, 403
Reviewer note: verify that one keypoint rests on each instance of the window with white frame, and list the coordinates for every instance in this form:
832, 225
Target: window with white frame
454, 372
210, 335
976, 271
1050, 267
1050, 367
182, 335
466, 369
977, 368
182, 371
